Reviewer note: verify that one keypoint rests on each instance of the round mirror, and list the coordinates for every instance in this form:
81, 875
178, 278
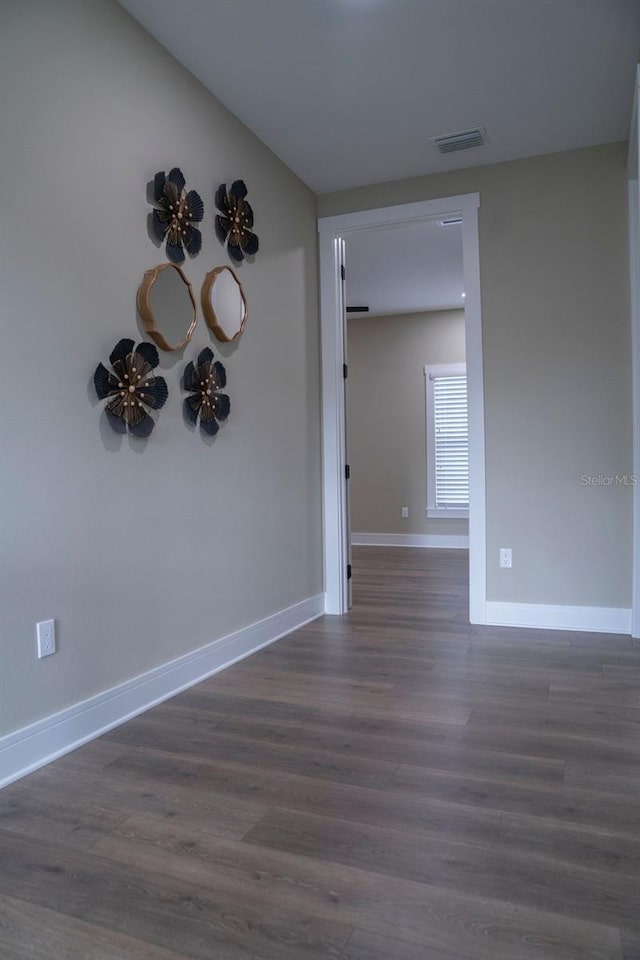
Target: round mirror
167, 306
224, 304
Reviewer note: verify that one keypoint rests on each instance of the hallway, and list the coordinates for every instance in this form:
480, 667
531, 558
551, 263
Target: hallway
391, 785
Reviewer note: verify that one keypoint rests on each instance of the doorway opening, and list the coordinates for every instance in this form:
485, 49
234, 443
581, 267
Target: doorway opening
335, 233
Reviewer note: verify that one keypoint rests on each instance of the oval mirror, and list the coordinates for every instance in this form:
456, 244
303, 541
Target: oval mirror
224, 304
167, 306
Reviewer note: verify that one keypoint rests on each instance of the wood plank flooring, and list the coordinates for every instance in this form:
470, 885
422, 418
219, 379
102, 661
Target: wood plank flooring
390, 785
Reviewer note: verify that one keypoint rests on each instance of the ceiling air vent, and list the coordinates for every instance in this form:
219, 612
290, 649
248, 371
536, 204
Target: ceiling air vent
460, 141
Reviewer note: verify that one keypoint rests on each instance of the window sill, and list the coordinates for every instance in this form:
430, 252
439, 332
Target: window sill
446, 513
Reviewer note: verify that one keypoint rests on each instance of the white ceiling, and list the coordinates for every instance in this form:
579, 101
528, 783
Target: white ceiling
405, 269
348, 92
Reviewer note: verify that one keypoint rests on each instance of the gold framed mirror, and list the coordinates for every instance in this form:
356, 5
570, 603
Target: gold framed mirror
167, 306
224, 305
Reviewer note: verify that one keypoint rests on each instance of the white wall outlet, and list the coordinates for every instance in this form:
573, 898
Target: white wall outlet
505, 557
405, 512
46, 635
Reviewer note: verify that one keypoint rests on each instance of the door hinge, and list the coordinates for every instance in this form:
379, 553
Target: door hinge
345, 371
348, 571
347, 471
343, 272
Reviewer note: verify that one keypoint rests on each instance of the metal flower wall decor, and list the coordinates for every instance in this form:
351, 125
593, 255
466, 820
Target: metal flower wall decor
235, 220
204, 380
130, 388
175, 213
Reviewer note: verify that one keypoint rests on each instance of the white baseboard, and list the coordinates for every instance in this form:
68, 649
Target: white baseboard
550, 617
31, 747
449, 541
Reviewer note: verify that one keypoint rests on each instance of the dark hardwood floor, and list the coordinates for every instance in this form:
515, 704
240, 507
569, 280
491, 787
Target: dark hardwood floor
391, 785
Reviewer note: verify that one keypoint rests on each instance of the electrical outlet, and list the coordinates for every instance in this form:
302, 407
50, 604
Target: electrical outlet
405, 512
505, 557
46, 635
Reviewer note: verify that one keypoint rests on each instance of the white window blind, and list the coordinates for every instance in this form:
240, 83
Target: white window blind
447, 441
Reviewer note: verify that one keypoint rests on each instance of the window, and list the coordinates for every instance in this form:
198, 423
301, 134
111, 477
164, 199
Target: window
447, 441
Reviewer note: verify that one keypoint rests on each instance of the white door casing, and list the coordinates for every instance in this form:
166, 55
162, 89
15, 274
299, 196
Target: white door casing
634, 273
332, 231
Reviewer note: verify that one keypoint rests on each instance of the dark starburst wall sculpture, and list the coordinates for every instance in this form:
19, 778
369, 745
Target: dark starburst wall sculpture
204, 380
130, 388
174, 215
235, 220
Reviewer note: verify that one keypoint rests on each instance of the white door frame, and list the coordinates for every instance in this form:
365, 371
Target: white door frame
331, 231
634, 263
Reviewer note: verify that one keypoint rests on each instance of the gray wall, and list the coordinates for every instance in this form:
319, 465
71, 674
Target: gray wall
142, 552
386, 417
555, 301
